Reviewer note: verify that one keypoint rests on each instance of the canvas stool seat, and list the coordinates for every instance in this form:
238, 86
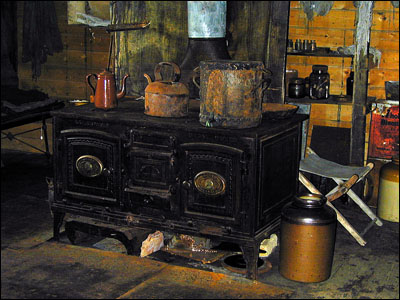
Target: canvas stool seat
345, 177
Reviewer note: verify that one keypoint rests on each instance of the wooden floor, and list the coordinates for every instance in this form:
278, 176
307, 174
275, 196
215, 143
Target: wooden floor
33, 266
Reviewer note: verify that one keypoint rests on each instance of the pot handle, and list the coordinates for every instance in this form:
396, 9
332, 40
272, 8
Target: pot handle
197, 75
261, 83
157, 71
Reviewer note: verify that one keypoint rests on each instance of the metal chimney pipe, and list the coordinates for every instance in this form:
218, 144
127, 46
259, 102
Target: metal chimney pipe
206, 31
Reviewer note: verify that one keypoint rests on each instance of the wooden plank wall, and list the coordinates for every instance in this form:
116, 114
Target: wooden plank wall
166, 38
63, 75
336, 29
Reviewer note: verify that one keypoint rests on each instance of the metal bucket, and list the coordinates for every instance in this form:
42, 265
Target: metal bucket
231, 93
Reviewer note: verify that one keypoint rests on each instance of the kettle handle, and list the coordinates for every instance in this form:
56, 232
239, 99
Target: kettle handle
88, 82
157, 71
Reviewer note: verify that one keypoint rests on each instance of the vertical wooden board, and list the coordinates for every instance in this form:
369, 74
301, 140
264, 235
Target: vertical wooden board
276, 50
248, 27
137, 52
100, 9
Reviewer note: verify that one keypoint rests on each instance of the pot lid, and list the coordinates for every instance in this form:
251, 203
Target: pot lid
228, 64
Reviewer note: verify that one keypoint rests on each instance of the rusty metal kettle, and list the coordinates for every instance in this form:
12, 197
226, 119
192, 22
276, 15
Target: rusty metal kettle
105, 94
166, 98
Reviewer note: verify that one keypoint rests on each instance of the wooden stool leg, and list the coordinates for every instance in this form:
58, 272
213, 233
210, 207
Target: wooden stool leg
361, 204
340, 217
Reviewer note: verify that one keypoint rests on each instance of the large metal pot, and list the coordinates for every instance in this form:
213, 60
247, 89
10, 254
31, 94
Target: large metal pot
231, 93
166, 98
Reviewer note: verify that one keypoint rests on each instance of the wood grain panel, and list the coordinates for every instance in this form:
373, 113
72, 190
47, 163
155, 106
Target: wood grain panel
59, 89
335, 19
32, 138
332, 33
382, 20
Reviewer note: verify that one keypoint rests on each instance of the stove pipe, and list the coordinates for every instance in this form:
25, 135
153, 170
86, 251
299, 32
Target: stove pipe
206, 30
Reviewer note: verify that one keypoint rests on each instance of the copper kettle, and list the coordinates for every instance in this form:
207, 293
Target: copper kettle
166, 98
105, 95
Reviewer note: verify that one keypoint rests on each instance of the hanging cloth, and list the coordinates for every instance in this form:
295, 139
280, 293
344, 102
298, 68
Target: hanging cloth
41, 36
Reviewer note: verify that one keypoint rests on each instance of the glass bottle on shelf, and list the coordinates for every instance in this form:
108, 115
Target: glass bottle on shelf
319, 82
350, 81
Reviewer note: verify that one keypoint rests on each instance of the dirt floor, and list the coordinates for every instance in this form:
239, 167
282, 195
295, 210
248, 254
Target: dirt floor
34, 266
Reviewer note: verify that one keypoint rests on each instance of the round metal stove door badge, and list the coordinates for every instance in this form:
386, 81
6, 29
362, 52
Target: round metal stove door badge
89, 166
210, 183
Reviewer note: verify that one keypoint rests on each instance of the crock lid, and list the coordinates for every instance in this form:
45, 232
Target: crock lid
309, 209
310, 201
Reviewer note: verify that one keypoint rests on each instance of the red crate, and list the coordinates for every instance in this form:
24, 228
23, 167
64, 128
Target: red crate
384, 135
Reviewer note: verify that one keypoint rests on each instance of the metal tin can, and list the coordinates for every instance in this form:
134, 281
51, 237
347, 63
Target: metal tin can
297, 88
307, 239
388, 195
231, 93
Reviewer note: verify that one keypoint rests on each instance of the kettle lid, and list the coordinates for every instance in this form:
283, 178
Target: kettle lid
171, 88
105, 73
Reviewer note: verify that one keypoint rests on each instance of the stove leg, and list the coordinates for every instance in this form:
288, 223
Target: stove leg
250, 255
58, 219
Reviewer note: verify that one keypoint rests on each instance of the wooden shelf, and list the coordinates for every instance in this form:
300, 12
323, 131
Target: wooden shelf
319, 53
333, 99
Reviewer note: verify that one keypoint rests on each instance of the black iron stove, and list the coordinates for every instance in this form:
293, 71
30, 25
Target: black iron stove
127, 169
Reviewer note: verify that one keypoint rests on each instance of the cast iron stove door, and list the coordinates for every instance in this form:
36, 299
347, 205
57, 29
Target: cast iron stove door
211, 182
150, 180
90, 165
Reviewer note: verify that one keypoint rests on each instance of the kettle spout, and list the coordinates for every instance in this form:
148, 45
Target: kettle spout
122, 93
